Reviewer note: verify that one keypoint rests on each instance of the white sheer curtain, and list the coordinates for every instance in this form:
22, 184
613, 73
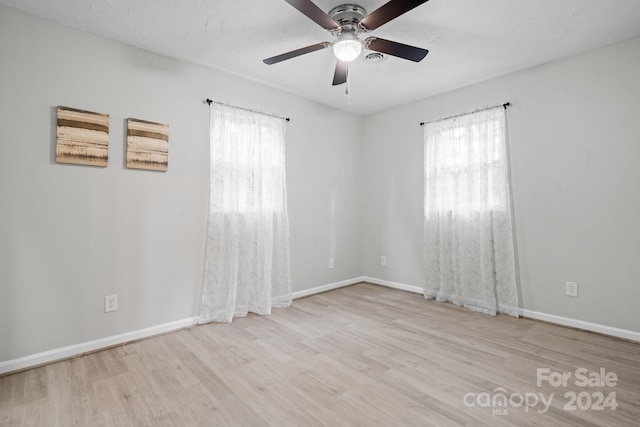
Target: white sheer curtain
247, 245
468, 228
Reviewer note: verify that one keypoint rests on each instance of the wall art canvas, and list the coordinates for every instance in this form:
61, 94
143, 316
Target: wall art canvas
147, 145
82, 137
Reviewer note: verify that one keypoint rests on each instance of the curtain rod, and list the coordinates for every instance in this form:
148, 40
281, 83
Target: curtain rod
505, 105
211, 101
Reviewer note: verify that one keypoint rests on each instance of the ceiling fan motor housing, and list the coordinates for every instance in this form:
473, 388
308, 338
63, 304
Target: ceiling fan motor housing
348, 16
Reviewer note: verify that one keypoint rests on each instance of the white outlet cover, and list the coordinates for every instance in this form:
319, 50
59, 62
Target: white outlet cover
110, 303
571, 289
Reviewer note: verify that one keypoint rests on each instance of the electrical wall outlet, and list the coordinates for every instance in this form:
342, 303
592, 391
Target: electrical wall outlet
110, 303
571, 289
383, 260
331, 263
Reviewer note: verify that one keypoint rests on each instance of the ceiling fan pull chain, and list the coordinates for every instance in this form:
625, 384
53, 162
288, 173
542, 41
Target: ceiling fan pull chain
347, 91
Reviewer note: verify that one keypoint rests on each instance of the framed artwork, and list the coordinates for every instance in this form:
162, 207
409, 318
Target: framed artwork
82, 137
147, 145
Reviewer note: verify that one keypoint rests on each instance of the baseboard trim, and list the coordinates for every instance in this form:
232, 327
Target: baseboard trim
531, 314
63, 353
325, 288
580, 324
58, 354
395, 285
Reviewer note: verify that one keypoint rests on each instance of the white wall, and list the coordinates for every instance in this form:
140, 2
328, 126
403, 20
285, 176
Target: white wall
575, 156
69, 235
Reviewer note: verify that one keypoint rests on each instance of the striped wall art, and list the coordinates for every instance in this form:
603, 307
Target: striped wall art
147, 145
82, 137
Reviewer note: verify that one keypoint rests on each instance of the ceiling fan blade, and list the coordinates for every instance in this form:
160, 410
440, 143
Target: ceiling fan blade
313, 12
400, 50
342, 71
297, 52
389, 11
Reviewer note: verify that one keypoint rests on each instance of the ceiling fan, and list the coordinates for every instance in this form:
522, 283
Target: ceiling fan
346, 22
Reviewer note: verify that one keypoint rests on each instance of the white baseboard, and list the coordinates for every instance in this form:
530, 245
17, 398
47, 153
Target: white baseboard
90, 346
551, 318
325, 288
58, 354
580, 324
102, 343
395, 285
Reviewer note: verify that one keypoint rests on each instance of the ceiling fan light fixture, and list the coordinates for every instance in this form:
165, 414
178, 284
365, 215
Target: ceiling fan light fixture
347, 47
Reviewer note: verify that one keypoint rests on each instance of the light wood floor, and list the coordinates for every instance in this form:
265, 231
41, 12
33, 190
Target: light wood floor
362, 355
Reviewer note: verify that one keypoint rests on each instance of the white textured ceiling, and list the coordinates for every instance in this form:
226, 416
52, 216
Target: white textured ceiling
468, 40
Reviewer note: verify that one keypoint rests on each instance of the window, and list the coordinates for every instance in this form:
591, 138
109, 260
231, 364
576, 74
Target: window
249, 153
466, 164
